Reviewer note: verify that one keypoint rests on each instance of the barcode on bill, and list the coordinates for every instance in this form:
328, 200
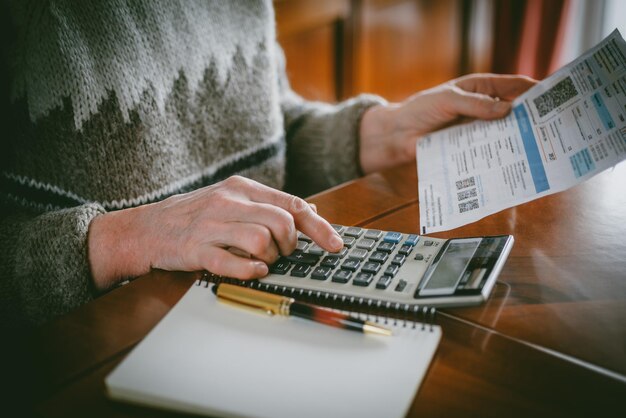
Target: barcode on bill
560, 93
468, 182
469, 205
466, 194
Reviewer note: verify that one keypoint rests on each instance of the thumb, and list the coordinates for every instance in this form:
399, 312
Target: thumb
476, 105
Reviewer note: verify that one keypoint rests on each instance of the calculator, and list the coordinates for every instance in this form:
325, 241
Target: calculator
395, 267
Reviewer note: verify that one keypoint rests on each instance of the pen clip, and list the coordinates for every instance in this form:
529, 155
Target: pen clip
250, 308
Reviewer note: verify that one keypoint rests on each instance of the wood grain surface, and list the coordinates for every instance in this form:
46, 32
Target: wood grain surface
550, 341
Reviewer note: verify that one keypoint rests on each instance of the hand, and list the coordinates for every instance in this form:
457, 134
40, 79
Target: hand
388, 133
234, 228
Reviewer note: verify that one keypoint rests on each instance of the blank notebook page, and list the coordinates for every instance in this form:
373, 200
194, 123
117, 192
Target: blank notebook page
211, 358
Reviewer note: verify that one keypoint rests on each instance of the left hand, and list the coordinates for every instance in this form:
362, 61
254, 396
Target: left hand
388, 133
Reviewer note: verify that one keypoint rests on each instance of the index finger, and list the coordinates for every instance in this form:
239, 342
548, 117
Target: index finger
305, 218
503, 86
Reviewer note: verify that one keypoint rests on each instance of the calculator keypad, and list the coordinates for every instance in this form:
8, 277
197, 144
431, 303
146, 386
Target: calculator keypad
371, 261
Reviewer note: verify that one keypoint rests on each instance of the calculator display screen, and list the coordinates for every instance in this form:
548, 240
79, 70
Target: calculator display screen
451, 265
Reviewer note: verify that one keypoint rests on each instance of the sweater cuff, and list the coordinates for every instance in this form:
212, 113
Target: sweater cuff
353, 121
325, 150
52, 271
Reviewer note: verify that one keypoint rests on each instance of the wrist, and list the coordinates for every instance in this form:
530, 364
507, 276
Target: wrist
382, 143
113, 248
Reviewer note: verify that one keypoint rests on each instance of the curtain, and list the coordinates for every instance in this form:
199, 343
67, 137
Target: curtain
528, 35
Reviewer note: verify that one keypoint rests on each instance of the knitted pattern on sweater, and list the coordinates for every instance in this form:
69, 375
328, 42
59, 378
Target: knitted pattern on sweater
114, 104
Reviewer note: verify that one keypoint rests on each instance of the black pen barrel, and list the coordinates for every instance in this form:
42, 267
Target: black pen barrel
325, 316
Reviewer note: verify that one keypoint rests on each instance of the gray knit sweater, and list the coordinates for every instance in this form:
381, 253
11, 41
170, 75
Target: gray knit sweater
112, 104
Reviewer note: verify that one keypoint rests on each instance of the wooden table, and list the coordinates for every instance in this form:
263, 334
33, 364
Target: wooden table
551, 340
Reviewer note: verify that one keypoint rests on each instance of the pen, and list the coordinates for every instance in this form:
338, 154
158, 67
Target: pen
285, 306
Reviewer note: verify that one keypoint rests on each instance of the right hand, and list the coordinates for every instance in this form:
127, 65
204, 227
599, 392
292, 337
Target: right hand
234, 228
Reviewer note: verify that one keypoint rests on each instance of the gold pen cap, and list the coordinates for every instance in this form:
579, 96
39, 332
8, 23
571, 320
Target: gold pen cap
267, 302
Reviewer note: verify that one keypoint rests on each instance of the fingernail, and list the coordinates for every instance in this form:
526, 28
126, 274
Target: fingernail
313, 206
501, 107
336, 241
261, 269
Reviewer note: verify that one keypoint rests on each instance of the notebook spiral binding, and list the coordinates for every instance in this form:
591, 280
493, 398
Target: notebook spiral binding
404, 315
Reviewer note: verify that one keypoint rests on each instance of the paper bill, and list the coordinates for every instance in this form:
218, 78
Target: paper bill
564, 130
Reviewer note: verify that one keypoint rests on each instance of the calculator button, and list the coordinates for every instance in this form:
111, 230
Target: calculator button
366, 244
300, 270
331, 261
374, 234
412, 240
337, 228
398, 259
379, 256
348, 241
391, 270
280, 267
371, 267
351, 264
428, 243
304, 237
419, 256
342, 276
358, 253
383, 282
321, 273
316, 249
302, 258
363, 279
353, 231
393, 237
386, 247
400, 286
301, 245
405, 250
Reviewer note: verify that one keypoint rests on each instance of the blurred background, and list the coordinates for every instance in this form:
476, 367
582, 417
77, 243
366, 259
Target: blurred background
336, 49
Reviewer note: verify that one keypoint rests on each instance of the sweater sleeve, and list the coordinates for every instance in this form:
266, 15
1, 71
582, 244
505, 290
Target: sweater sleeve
322, 139
44, 264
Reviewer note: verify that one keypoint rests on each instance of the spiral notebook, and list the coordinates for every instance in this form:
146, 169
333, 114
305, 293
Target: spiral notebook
206, 357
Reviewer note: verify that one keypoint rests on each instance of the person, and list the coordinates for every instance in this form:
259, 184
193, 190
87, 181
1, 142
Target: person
164, 135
